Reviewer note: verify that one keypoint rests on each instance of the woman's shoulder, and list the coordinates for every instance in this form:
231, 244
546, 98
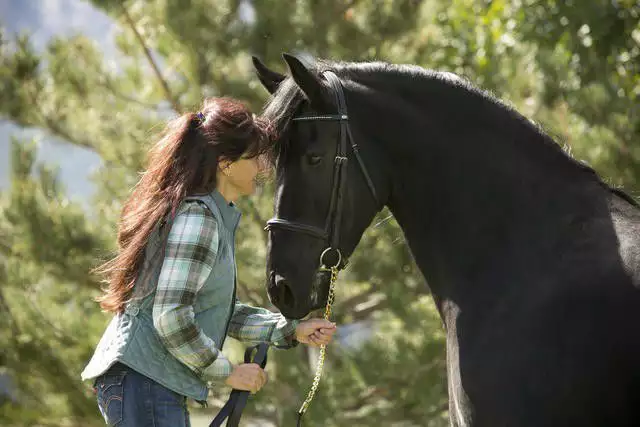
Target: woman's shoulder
194, 207
200, 204
195, 214
195, 224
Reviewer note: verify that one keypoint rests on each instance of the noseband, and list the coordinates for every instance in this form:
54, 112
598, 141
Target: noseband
331, 231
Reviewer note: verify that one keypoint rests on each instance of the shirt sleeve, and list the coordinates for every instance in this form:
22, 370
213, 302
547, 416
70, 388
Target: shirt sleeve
256, 325
190, 254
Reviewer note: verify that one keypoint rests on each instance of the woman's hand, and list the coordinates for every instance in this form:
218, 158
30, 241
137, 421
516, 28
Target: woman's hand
248, 377
315, 332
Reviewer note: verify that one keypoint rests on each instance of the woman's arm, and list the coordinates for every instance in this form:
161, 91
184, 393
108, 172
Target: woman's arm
190, 253
253, 324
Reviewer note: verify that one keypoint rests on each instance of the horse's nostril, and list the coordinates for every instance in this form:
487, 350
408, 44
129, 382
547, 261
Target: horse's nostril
280, 291
286, 296
278, 282
273, 289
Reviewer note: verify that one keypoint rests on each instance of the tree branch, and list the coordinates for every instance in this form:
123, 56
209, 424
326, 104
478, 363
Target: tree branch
52, 126
147, 52
58, 131
106, 82
366, 312
347, 305
37, 313
103, 79
8, 315
366, 397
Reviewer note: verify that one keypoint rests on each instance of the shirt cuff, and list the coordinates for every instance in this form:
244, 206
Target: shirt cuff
218, 371
284, 333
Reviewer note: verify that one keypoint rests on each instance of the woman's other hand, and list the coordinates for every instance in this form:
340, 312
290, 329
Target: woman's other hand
248, 377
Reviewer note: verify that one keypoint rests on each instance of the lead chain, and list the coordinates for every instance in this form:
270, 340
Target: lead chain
320, 365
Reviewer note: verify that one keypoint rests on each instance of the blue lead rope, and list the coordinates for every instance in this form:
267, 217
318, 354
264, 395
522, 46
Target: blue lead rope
238, 398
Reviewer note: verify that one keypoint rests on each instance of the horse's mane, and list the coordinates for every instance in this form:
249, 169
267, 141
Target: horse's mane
286, 102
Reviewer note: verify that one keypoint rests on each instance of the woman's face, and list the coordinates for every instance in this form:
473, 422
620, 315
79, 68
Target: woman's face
242, 174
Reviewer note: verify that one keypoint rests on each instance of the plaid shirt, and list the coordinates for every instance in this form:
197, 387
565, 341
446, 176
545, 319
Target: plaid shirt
189, 256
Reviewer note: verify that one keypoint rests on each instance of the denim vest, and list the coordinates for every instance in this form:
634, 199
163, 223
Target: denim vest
131, 338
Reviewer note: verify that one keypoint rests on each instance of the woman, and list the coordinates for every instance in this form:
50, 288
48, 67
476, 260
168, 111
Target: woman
172, 284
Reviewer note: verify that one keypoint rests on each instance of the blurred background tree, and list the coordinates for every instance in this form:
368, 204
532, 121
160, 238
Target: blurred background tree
571, 67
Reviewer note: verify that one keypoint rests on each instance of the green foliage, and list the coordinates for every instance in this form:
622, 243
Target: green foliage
573, 69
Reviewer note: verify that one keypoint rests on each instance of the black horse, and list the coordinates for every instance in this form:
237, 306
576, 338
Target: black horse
533, 261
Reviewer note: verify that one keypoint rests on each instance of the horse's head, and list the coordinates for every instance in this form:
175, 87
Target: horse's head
327, 192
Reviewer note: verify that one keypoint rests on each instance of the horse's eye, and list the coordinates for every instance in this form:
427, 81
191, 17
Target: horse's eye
314, 159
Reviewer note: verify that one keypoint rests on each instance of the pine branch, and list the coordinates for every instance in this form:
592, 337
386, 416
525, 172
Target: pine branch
366, 312
4, 246
147, 52
54, 371
350, 303
366, 397
58, 131
37, 313
105, 81
7, 314
52, 126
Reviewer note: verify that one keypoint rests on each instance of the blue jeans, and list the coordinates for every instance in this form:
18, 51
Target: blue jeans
129, 399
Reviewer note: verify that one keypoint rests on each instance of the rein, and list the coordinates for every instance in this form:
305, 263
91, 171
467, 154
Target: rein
238, 398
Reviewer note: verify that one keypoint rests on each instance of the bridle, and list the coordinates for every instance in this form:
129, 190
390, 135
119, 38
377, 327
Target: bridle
331, 231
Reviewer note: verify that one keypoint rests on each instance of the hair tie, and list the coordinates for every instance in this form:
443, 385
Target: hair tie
200, 117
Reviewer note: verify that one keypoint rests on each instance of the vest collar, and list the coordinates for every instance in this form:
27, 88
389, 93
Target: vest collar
230, 213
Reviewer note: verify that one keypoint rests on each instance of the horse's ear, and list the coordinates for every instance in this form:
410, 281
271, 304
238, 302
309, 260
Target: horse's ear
307, 81
270, 79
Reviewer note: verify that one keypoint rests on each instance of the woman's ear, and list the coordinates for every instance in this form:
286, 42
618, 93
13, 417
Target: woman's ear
224, 166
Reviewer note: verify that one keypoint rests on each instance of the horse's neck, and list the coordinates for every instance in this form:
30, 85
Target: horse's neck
480, 207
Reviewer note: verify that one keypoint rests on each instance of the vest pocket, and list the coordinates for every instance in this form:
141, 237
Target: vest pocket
110, 397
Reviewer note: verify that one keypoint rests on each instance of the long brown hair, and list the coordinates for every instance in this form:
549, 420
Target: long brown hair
184, 161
